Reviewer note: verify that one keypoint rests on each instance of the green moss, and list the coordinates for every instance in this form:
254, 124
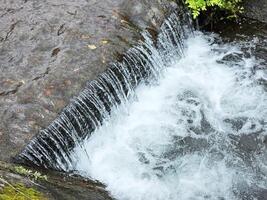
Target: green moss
232, 6
29, 173
20, 192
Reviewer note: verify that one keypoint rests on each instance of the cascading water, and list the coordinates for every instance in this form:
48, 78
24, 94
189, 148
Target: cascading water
198, 133
183, 117
52, 147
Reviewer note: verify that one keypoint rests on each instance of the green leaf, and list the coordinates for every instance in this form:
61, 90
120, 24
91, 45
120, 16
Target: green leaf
197, 6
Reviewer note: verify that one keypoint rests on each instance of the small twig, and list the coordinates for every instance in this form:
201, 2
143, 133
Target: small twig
11, 29
61, 30
71, 13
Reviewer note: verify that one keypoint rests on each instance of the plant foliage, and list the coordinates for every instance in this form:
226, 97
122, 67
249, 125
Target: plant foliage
233, 6
26, 172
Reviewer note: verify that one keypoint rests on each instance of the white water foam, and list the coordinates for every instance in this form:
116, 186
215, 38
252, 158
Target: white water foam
197, 134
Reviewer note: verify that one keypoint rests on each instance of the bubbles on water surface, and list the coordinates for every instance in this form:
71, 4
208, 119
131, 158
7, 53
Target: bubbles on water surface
200, 133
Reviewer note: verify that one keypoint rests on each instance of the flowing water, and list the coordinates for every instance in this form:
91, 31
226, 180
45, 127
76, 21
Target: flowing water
143, 63
180, 118
198, 132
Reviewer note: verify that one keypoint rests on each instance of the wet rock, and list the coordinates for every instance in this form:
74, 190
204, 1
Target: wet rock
248, 147
249, 143
46, 59
56, 186
246, 31
186, 145
237, 123
256, 10
232, 60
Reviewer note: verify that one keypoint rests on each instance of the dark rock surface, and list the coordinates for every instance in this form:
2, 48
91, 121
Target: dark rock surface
49, 49
246, 31
256, 9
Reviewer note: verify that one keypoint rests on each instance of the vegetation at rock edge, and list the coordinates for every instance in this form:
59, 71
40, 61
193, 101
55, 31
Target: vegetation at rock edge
20, 192
232, 6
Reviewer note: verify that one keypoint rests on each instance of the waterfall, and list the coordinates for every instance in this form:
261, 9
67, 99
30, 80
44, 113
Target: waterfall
199, 132
182, 116
52, 147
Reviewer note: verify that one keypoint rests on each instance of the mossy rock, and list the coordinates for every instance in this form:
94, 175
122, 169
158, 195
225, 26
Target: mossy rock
24, 183
20, 192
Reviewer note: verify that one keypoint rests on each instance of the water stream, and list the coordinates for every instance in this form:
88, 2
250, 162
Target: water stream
182, 117
198, 132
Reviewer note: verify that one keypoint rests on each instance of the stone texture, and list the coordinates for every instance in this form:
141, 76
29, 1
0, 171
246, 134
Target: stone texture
249, 31
58, 186
256, 9
49, 49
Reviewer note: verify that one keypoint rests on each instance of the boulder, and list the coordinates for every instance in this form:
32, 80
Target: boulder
49, 50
